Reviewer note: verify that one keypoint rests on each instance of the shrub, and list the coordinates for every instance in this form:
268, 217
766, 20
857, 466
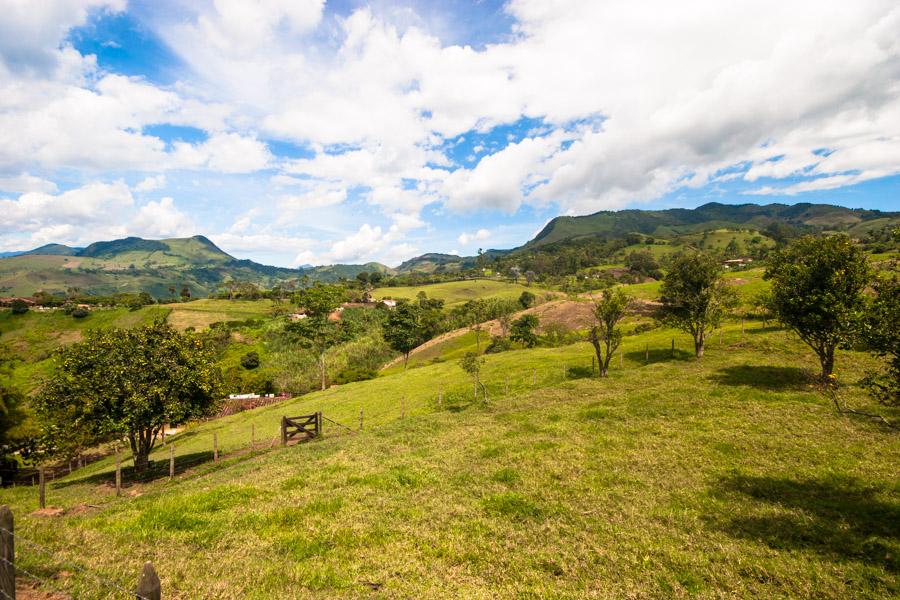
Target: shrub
250, 360
19, 307
80, 312
351, 374
498, 344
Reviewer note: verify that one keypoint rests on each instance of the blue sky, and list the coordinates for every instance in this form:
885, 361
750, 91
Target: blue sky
304, 131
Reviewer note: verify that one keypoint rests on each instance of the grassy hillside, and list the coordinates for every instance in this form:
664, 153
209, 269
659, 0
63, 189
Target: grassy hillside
678, 221
199, 314
134, 265
29, 339
457, 292
728, 477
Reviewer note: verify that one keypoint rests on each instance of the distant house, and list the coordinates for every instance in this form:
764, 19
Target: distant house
736, 262
297, 316
389, 303
8, 301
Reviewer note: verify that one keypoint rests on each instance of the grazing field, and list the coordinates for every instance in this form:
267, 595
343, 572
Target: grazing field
199, 314
727, 477
459, 292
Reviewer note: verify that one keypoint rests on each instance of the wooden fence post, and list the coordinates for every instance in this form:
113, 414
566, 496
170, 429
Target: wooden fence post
171, 461
149, 587
534, 377
7, 554
360, 419
252, 434
42, 495
118, 475
673, 347
215, 447
284, 431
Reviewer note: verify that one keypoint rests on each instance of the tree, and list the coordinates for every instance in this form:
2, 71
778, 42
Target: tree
526, 299
880, 332
471, 363
817, 285
318, 331
19, 306
129, 382
250, 360
604, 335
522, 330
407, 328
363, 278
642, 262
694, 297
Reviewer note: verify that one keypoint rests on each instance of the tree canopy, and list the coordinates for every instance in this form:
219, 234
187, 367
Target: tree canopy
694, 297
127, 382
817, 291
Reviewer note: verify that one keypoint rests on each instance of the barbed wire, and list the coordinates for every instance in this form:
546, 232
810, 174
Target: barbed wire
27, 542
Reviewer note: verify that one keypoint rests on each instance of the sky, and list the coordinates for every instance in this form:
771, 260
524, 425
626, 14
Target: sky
297, 132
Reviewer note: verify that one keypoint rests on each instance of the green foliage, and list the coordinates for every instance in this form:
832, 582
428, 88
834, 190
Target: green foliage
817, 285
250, 360
411, 324
604, 335
18, 307
526, 299
498, 344
880, 331
351, 374
522, 330
694, 297
80, 312
318, 332
127, 382
472, 364
643, 262
12, 415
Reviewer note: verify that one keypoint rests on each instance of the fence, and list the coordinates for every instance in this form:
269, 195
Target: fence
148, 585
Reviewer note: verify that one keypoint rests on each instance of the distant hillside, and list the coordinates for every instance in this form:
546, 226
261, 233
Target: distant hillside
132, 265
677, 221
332, 273
434, 262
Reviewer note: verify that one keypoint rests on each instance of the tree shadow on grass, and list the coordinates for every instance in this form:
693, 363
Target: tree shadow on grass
657, 355
764, 377
838, 518
158, 469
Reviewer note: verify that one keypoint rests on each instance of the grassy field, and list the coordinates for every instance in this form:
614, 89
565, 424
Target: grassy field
726, 477
458, 292
199, 314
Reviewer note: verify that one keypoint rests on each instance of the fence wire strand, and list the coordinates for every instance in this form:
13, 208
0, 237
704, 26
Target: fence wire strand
102, 581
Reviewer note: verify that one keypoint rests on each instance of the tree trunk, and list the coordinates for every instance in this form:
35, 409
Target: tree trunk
405, 360
322, 369
698, 346
826, 357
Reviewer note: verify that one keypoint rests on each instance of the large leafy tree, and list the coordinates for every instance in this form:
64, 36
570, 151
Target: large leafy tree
604, 335
817, 291
694, 296
128, 382
319, 331
880, 331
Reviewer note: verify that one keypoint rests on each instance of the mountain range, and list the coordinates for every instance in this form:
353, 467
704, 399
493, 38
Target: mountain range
164, 267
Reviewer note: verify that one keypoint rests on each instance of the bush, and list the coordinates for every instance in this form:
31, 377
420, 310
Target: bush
250, 360
19, 307
526, 300
351, 374
498, 344
80, 312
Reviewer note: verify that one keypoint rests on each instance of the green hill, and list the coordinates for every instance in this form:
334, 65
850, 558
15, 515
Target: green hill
133, 265
725, 477
333, 273
672, 222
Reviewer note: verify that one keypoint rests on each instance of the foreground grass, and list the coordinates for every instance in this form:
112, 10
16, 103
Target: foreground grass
727, 477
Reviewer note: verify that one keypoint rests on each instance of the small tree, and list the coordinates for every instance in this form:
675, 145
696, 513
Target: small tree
19, 307
694, 297
526, 299
471, 363
317, 330
817, 285
250, 361
406, 329
522, 330
880, 331
604, 335
129, 382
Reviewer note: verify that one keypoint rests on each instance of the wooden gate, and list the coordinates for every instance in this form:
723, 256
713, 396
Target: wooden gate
310, 426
